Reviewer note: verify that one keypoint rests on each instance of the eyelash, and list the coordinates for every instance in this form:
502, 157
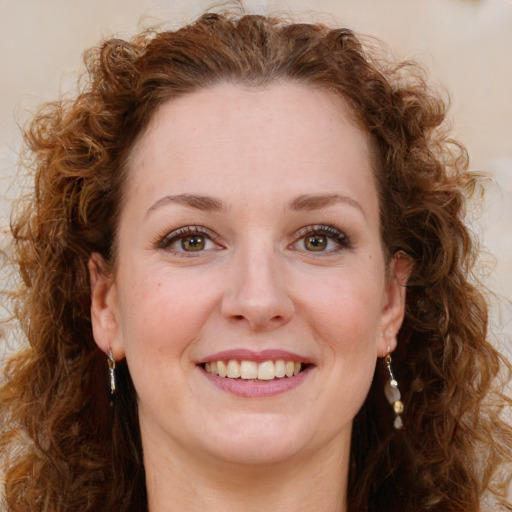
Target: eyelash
334, 234
165, 241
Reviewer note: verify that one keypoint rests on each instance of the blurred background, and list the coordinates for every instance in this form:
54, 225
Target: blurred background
465, 44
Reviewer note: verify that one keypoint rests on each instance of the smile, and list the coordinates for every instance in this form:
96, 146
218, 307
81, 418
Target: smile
252, 370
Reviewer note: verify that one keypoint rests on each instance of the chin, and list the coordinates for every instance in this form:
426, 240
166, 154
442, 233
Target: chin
263, 440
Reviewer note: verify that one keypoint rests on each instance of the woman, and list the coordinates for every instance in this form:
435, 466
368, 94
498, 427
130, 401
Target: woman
259, 228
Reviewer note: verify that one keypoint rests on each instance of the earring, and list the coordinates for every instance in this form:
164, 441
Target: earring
111, 371
393, 394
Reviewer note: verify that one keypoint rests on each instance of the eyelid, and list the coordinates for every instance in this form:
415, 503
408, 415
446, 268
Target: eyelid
164, 241
335, 234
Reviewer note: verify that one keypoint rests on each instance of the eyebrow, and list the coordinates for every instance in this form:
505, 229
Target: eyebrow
311, 202
199, 202
304, 202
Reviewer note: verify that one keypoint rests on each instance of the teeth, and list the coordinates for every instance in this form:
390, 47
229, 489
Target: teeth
223, 369
266, 371
280, 367
233, 369
250, 370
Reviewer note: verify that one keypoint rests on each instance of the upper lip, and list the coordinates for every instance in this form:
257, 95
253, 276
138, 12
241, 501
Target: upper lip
243, 354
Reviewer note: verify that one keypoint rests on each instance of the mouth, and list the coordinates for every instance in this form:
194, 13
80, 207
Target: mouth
256, 374
248, 370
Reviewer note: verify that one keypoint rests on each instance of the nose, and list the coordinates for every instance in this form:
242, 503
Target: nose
256, 291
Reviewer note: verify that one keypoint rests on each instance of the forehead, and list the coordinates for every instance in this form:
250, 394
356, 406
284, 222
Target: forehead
248, 135
282, 107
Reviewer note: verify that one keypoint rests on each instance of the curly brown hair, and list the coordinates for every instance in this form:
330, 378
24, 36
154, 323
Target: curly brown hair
65, 447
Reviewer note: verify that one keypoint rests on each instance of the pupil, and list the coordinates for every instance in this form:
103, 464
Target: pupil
192, 243
316, 242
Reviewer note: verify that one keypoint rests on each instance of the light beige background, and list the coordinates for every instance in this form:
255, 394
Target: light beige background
466, 45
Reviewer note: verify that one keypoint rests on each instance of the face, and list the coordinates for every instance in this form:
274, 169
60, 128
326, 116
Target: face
249, 243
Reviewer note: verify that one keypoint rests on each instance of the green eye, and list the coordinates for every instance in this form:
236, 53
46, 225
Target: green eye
193, 243
315, 242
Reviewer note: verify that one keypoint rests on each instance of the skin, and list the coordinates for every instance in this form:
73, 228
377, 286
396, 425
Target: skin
255, 284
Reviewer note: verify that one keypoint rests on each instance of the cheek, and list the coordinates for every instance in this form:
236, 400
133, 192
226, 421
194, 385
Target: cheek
160, 324
345, 320
161, 316
346, 310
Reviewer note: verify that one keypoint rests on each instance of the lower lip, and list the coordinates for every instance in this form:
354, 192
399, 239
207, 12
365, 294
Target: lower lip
262, 389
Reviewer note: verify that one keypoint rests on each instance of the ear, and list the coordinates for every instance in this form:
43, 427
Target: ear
104, 307
393, 308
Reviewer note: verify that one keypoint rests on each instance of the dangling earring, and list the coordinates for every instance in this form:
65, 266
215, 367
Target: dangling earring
393, 394
112, 372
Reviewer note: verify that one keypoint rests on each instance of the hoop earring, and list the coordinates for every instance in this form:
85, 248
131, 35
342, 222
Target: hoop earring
393, 395
112, 372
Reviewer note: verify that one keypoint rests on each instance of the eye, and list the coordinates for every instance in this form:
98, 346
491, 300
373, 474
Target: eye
193, 242
188, 239
321, 238
315, 242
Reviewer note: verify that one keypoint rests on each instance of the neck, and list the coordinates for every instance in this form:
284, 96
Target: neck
177, 481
